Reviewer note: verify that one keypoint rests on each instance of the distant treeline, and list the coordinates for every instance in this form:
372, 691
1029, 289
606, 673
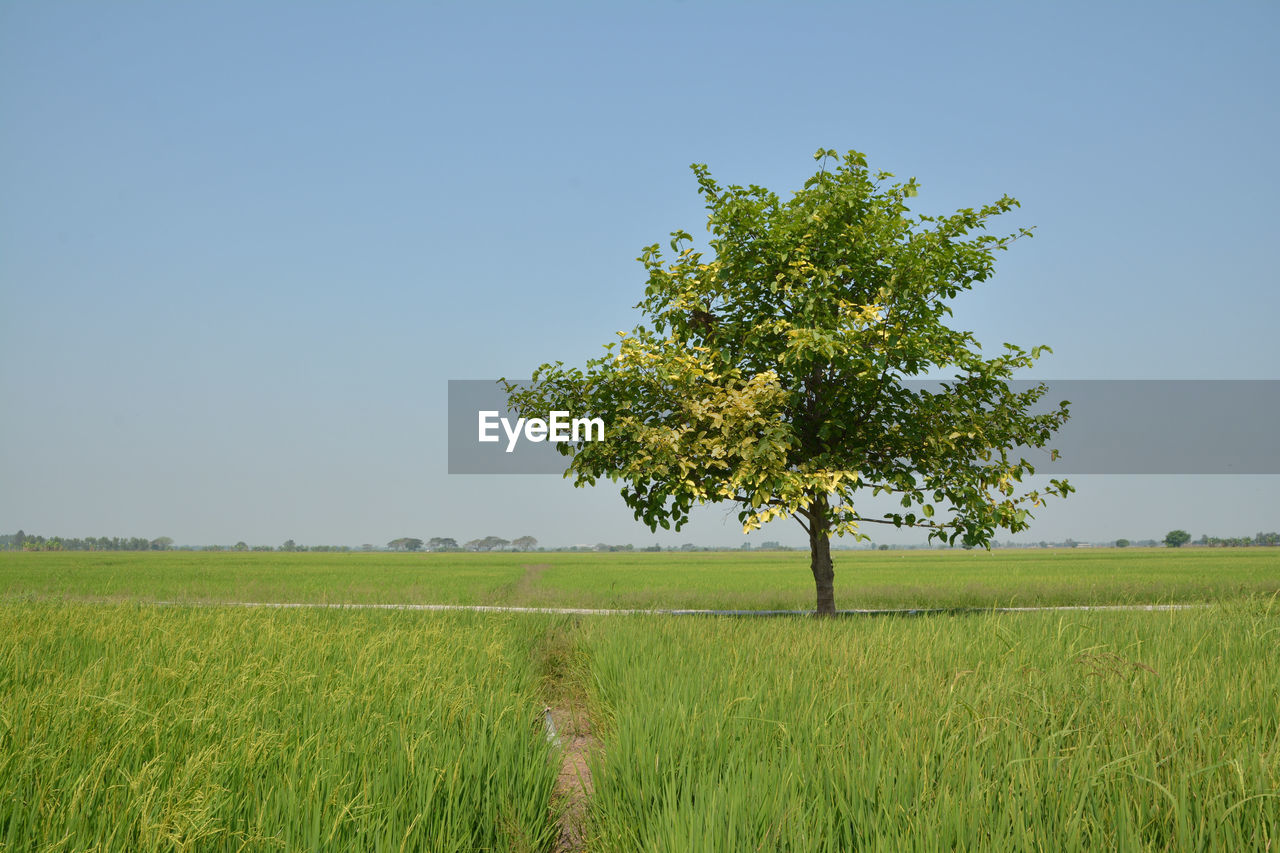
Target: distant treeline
22, 541
1264, 539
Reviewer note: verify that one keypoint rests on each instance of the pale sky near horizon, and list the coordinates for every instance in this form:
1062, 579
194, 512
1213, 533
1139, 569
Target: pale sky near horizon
244, 246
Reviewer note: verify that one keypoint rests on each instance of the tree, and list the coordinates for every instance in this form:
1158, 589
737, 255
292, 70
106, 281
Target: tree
1122, 543
405, 543
442, 543
772, 372
1177, 538
241, 546
525, 543
161, 543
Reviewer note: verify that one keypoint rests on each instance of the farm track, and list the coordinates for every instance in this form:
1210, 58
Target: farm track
560, 662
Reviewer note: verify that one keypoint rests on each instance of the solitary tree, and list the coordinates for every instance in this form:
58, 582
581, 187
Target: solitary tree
525, 543
772, 372
1177, 538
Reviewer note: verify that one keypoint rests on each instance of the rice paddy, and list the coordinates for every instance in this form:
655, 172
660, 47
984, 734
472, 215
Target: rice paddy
708, 580
128, 725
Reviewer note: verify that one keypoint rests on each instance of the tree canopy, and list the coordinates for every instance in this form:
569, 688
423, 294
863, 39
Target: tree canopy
772, 373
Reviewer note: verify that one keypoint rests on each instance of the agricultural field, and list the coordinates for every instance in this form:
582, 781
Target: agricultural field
1116, 731
129, 724
149, 728
707, 580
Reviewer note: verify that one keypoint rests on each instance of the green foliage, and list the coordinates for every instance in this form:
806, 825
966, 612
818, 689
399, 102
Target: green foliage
1122, 543
488, 543
1177, 538
772, 371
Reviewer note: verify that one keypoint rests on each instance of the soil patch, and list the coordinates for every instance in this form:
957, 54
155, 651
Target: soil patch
559, 660
573, 787
529, 580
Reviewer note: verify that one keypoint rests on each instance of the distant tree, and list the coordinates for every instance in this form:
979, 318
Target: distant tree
473, 545
884, 547
493, 543
525, 543
442, 543
241, 546
161, 543
1122, 543
405, 543
1177, 538
289, 545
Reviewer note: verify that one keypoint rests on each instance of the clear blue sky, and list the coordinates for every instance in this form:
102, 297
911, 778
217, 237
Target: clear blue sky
243, 246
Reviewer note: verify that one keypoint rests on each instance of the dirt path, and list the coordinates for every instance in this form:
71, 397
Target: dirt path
573, 787
529, 580
561, 664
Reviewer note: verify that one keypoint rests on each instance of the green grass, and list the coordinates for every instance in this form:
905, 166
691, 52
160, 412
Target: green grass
128, 726
729, 580
1010, 732
143, 728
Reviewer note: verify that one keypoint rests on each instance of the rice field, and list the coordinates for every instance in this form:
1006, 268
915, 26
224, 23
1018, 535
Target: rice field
1033, 731
707, 580
143, 728
133, 726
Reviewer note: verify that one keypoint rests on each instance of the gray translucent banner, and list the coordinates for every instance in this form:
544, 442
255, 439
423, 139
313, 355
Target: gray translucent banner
1117, 426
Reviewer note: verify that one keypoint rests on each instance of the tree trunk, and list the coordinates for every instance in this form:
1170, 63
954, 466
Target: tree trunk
824, 572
